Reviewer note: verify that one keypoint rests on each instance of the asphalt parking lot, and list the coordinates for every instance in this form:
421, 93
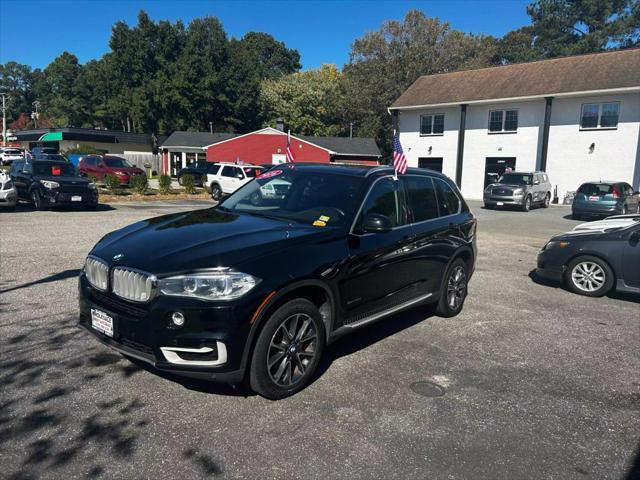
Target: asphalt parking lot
530, 381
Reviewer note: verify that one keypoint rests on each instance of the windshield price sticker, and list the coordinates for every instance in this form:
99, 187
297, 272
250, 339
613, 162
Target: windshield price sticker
272, 173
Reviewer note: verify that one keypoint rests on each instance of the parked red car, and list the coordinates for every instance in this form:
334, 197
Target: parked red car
99, 167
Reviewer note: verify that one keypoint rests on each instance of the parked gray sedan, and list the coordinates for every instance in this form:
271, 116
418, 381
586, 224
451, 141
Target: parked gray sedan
520, 189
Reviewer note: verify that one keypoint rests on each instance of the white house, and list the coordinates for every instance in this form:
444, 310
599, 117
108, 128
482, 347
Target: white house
577, 118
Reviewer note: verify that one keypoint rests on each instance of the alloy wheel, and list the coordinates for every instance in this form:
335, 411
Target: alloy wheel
292, 349
215, 193
588, 276
456, 287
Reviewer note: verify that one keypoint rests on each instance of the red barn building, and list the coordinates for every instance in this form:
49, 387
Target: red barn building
265, 147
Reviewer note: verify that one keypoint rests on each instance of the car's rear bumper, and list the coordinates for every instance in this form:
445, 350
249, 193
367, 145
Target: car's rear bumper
586, 209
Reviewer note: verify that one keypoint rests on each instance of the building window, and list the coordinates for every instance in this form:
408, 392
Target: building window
503, 121
599, 115
432, 124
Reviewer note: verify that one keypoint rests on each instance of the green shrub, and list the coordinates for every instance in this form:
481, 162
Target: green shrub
93, 178
139, 184
112, 182
189, 184
165, 184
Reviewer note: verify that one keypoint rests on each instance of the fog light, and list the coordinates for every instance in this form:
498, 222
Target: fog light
178, 319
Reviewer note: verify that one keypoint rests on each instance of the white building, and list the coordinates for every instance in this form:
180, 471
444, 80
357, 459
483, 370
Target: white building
577, 118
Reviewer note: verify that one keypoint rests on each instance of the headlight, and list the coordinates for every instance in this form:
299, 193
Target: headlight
49, 184
518, 191
554, 244
221, 285
118, 172
8, 185
92, 186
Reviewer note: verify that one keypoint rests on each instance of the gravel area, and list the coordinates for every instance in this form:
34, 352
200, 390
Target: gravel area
529, 382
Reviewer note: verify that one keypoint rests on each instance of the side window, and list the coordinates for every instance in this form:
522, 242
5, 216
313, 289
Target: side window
383, 200
447, 198
228, 172
421, 197
213, 169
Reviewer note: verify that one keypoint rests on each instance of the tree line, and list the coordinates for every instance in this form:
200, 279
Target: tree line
159, 77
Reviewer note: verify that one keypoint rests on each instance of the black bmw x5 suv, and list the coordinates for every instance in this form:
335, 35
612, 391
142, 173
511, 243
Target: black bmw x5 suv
255, 288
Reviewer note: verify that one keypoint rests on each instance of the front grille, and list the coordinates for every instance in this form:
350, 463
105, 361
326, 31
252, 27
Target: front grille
75, 189
136, 346
504, 192
119, 306
131, 284
97, 273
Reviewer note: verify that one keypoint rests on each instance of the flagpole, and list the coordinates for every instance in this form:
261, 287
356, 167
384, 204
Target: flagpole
395, 170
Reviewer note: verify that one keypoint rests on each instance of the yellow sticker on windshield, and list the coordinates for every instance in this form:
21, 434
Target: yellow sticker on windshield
319, 223
324, 218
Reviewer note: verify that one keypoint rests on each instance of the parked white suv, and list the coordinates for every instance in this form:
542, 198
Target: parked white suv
8, 193
229, 177
9, 154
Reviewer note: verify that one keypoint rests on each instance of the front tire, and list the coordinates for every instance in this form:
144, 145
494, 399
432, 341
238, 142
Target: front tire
589, 276
288, 350
526, 206
454, 290
36, 200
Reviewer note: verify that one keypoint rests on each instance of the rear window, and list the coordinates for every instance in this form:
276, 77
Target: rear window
595, 188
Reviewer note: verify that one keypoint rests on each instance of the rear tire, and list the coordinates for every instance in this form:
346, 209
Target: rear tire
454, 290
288, 350
216, 192
589, 276
547, 201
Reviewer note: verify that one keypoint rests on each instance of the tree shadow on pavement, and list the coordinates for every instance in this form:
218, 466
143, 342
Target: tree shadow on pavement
74, 272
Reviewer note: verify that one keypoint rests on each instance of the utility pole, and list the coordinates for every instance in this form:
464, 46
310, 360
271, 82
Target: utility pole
350, 129
4, 118
211, 127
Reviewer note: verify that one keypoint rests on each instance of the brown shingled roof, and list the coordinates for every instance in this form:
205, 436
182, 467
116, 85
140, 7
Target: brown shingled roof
597, 71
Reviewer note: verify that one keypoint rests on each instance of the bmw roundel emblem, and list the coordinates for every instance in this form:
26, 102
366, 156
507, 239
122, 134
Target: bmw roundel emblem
117, 257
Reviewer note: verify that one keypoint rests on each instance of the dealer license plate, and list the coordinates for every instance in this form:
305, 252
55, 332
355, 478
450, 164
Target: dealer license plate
102, 322
594, 198
499, 204
76, 198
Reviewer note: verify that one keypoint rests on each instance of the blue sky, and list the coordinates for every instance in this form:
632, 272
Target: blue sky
35, 32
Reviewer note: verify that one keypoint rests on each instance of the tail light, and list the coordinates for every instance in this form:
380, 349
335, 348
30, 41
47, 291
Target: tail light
615, 192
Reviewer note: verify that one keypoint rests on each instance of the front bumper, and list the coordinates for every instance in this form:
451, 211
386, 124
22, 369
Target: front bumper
549, 267
52, 197
8, 198
209, 346
494, 200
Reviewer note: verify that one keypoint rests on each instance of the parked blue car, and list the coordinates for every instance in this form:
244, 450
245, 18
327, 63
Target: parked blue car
603, 198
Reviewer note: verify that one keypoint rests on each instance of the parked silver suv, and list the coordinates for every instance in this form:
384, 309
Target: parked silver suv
521, 189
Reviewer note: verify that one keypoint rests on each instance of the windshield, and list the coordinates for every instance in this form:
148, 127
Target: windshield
313, 198
62, 169
12, 152
116, 162
515, 179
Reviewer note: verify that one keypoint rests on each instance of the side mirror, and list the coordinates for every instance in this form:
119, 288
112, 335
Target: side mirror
376, 223
239, 176
536, 182
635, 237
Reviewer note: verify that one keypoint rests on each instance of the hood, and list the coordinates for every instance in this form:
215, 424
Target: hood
200, 239
619, 221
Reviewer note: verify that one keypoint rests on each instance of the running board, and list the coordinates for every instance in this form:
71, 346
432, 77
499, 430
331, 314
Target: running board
385, 313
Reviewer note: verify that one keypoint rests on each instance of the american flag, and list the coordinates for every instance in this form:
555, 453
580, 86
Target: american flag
290, 156
399, 160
